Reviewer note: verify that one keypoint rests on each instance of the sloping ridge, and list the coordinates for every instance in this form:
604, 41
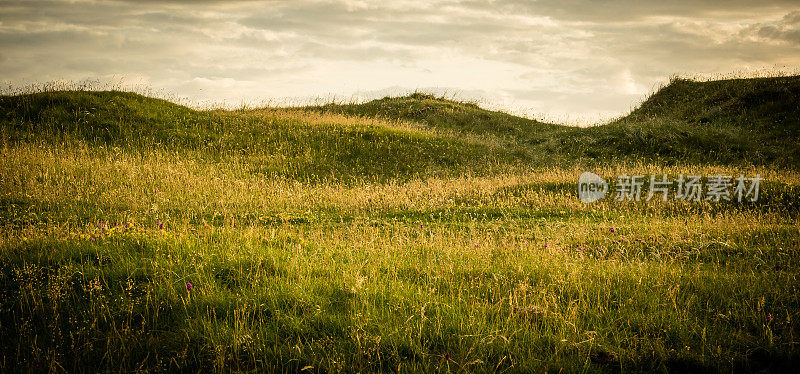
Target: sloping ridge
731, 122
770, 104
735, 121
107, 116
441, 113
287, 143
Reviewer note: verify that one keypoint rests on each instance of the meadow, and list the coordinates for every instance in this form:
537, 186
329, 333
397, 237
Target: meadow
409, 234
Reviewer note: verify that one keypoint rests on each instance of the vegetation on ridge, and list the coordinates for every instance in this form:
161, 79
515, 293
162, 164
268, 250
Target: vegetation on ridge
405, 234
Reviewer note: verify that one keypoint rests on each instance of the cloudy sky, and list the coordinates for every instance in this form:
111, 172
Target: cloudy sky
562, 58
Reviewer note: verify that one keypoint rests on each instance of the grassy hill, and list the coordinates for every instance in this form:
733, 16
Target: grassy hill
734, 122
409, 234
731, 122
274, 142
459, 117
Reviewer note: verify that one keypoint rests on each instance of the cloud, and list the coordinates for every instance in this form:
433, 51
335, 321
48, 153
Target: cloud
786, 30
637, 10
565, 57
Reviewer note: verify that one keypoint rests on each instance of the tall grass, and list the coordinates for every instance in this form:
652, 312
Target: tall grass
289, 240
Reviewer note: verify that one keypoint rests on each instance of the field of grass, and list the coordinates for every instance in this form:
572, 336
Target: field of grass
405, 234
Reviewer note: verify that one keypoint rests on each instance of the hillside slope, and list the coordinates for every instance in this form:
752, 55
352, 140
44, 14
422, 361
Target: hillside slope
732, 122
445, 114
284, 143
765, 104
752, 121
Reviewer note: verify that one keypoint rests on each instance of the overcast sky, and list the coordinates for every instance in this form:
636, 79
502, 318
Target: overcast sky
561, 58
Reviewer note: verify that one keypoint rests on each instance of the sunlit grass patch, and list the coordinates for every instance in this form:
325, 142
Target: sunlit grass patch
311, 239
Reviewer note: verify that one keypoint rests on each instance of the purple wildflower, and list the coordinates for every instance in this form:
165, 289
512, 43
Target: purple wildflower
160, 225
769, 318
189, 286
613, 230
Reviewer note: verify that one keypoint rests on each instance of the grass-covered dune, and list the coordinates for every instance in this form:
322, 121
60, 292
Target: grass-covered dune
273, 142
403, 234
738, 121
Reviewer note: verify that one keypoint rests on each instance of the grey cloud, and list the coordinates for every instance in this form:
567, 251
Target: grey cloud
792, 18
630, 10
772, 32
788, 29
561, 55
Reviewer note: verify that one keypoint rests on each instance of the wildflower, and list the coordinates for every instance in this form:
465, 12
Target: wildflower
160, 225
613, 230
91, 239
769, 318
189, 286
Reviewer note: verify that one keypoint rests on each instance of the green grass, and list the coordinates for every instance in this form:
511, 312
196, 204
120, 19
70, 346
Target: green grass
732, 122
405, 234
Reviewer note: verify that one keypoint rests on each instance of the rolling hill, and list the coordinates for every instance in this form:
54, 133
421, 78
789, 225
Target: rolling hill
408, 234
732, 122
729, 122
278, 142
